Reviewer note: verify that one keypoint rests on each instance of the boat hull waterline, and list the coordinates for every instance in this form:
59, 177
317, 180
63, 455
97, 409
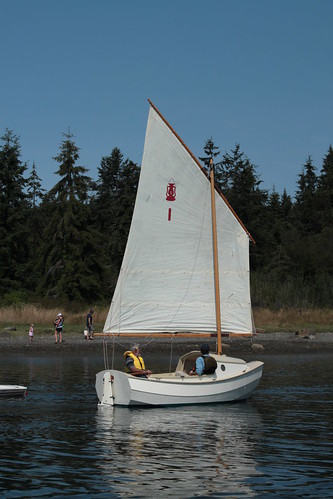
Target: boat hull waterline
233, 380
13, 391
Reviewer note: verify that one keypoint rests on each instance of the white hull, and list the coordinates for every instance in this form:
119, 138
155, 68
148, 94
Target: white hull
233, 380
13, 391
184, 240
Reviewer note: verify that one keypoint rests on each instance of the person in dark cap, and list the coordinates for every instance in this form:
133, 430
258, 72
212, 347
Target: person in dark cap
205, 364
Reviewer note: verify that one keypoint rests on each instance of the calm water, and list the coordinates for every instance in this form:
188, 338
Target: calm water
57, 443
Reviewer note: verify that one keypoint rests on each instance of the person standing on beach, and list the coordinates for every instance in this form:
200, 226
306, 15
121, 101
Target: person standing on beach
58, 324
89, 322
31, 333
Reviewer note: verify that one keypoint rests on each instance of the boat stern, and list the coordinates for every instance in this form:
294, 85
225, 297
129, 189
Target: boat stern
112, 387
13, 391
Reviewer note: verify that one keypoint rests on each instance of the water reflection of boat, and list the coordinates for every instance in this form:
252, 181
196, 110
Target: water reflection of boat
185, 241
179, 451
12, 391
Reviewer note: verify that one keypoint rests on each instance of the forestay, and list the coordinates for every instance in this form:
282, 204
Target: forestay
166, 282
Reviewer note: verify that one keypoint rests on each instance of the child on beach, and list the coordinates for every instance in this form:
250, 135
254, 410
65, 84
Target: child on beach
58, 324
31, 332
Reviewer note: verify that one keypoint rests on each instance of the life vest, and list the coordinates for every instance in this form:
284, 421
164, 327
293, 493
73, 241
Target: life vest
210, 364
138, 361
59, 322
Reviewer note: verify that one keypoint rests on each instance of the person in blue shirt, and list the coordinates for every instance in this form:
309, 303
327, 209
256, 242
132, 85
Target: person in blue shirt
205, 364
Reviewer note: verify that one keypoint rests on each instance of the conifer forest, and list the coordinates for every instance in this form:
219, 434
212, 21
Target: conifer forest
67, 244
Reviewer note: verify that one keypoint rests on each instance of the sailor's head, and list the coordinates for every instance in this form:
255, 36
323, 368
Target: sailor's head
204, 349
135, 348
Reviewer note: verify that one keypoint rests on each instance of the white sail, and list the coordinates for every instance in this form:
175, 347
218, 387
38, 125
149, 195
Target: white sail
166, 282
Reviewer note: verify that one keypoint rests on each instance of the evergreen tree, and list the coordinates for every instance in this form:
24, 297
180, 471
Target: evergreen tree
287, 205
34, 187
325, 190
240, 183
278, 263
323, 242
13, 215
70, 256
113, 207
211, 152
35, 224
289, 231
305, 207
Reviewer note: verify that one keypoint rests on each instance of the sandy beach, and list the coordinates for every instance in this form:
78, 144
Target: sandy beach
303, 342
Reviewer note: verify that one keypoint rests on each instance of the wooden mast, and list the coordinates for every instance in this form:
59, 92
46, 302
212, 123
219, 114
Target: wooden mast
216, 263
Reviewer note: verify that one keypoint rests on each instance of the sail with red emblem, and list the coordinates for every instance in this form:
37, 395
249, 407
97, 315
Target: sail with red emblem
166, 281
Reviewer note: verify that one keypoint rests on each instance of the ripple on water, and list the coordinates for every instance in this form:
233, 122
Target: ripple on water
56, 441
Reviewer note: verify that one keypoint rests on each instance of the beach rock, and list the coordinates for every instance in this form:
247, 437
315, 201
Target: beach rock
306, 334
257, 347
5, 334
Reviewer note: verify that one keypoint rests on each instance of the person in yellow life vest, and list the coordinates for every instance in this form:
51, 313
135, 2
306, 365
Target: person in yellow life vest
134, 363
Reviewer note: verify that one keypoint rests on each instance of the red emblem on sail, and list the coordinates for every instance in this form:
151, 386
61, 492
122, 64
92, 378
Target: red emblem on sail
171, 191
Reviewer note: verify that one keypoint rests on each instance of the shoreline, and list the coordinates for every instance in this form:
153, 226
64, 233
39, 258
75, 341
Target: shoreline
262, 343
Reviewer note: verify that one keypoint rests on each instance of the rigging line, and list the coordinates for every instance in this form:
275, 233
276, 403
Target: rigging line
149, 339
123, 345
171, 352
120, 281
113, 349
195, 259
105, 354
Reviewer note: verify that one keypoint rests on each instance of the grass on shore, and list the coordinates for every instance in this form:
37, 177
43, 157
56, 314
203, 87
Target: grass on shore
21, 317
289, 320
28, 314
320, 320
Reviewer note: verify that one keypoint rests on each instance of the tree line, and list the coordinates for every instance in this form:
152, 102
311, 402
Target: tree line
66, 244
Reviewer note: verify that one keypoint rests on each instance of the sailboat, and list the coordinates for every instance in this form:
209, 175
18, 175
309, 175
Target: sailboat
185, 273
13, 391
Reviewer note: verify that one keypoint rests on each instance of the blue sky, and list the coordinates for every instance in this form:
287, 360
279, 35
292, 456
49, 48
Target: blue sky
258, 73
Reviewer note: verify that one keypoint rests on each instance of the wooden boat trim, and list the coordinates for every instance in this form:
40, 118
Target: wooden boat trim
173, 335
